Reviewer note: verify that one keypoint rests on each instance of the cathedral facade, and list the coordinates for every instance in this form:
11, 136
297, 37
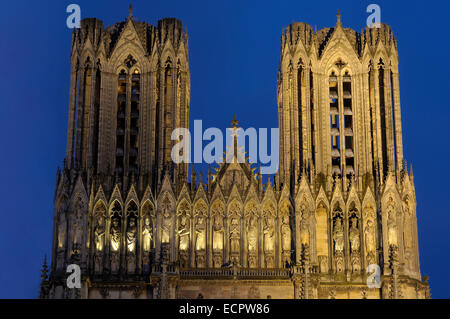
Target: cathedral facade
340, 210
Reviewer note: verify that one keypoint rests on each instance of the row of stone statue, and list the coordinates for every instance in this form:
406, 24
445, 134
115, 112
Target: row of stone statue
230, 236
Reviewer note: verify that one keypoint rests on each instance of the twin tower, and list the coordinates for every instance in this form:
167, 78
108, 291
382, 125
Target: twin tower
338, 220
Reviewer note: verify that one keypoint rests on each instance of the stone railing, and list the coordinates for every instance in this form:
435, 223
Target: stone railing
241, 273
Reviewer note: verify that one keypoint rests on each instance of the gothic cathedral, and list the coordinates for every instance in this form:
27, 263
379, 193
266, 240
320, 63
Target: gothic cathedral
340, 212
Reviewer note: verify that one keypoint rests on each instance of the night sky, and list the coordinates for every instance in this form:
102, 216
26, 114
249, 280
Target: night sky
234, 54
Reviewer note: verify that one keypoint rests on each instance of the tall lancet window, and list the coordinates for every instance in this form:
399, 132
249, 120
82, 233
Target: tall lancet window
334, 124
391, 96
301, 103
96, 116
121, 120
311, 115
381, 90
86, 112
348, 124
178, 106
371, 85
134, 122
168, 100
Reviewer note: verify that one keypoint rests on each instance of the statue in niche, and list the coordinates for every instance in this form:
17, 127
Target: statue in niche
338, 235
115, 234
166, 226
354, 235
62, 226
147, 234
200, 229
218, 233
99, 233
369, 232
235, 235
252, 234
131, 235
77, 230
392, 229
183, 233
269, 234
408, 229
77, 225
304, 233
285, 233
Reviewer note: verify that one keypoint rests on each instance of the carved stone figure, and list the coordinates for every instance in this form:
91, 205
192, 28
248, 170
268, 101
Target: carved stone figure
115, 234
392, 229
218, 233
147, 234
269, 235
166, 226
62, 226
369, 234
77, 225
252, 234
77, 231
235, 235
408, 230
131, 235
183, 233
338, 236
99, 234
200, 229
285, 234
304, 233
354, 235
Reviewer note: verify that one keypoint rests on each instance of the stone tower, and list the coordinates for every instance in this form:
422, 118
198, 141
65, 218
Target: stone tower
130, 87
137, 227
340, 125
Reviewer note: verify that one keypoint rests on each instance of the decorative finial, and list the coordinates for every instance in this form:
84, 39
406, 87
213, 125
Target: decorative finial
234, 122
339, 17
44, 269
130, 11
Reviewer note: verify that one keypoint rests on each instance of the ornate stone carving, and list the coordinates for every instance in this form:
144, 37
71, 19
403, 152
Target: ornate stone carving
99, 234
183, 233
217, 233
131, 235
147, 234
338, 236
354, 235
200, 230
115, 234
235, 238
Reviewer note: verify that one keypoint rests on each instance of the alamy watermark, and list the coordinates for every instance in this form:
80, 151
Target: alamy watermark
74, 279
374, 19
214, 151
374, 278
73, 20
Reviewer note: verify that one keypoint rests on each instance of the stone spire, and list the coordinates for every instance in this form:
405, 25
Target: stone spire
339, 23
130, 11
44, 270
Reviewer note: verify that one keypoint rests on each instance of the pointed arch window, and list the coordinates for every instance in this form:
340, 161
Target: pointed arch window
128, 114
383, 117
121, 120
334, 124
301, 96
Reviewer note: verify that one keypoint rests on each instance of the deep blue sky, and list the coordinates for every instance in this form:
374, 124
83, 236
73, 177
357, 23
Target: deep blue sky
234, 54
